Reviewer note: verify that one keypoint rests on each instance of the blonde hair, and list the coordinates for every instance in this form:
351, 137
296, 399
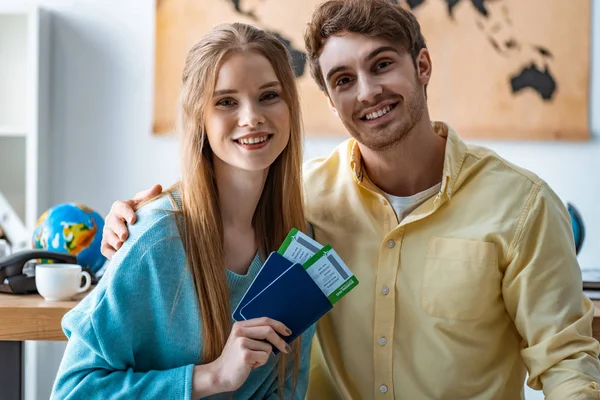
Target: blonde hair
280, 207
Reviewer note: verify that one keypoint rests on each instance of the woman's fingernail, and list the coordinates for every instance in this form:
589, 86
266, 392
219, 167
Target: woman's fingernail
288, 332
287, 348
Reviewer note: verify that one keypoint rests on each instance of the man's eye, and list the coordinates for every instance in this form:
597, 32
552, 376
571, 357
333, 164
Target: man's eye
383, 64
225, 102
342, 81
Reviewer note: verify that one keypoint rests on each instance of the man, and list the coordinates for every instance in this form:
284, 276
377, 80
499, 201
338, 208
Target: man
467, 265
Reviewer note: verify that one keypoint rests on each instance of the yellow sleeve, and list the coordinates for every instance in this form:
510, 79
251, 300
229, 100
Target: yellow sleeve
543, 294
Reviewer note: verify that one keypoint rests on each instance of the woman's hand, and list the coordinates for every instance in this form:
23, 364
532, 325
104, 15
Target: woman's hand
248, 347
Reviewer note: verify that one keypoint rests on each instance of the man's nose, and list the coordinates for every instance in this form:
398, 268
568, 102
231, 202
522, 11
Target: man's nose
368, 89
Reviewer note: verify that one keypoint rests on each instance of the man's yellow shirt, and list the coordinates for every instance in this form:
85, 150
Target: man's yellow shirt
475, 288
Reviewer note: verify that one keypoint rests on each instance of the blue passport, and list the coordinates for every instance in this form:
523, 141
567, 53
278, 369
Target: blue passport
268, 273
285, 292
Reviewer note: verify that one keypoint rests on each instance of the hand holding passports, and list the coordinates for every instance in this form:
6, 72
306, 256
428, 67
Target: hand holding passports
297, 285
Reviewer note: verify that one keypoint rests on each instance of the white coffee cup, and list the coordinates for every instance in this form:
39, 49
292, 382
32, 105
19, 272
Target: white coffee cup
57, 282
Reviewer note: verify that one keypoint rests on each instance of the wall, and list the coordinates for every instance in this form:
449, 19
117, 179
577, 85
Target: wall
102, 57
102, 149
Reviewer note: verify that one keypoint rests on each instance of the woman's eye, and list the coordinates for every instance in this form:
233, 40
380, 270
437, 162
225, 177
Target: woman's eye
270, 96
225, 102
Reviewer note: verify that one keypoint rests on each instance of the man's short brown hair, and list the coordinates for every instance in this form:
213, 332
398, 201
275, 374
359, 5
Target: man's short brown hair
375, 18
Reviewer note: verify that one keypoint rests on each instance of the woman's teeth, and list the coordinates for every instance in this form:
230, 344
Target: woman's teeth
253, 140
378, 113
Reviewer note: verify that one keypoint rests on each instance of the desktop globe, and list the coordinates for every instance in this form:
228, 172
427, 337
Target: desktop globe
577, 226
72, 228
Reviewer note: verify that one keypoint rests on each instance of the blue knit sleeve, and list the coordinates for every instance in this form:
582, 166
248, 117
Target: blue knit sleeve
115, 323
93, 370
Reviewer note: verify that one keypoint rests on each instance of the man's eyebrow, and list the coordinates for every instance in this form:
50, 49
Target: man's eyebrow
380, 50
334, 71
369, 57
233, 91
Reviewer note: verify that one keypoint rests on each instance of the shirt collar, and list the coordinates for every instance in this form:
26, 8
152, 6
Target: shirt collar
456, 150
356, 161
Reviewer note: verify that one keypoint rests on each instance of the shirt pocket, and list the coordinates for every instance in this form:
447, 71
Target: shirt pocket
461, 279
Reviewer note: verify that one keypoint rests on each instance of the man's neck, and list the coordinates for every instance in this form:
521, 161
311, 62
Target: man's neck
415, 164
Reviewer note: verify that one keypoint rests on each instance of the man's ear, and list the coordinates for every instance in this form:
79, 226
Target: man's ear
423, 65
331, 106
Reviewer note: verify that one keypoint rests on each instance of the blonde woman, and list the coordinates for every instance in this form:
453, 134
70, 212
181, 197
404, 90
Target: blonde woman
161, 326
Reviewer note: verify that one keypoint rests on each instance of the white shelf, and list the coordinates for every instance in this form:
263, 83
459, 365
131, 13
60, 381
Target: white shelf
12, 131
13, 173
15, 69
24, 123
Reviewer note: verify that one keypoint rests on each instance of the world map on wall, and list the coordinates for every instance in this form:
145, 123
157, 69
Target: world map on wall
298, 56
530, 75
508, 59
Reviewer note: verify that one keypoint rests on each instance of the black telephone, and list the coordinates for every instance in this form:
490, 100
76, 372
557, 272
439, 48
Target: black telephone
12, 277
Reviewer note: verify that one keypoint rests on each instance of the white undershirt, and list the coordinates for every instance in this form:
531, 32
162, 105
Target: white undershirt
405, 205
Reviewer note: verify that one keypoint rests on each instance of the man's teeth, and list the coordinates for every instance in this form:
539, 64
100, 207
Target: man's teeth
378, 113
253, 140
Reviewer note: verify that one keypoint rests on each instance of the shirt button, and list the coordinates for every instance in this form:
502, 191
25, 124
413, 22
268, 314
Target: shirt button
391, 243
383, 341
383, 389
385, 290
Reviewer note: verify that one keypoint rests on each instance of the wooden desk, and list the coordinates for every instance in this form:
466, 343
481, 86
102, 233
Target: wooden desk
596, 321
26, 317
30, 317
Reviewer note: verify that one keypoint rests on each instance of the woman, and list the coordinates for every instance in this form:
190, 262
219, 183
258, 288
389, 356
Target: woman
160, 327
